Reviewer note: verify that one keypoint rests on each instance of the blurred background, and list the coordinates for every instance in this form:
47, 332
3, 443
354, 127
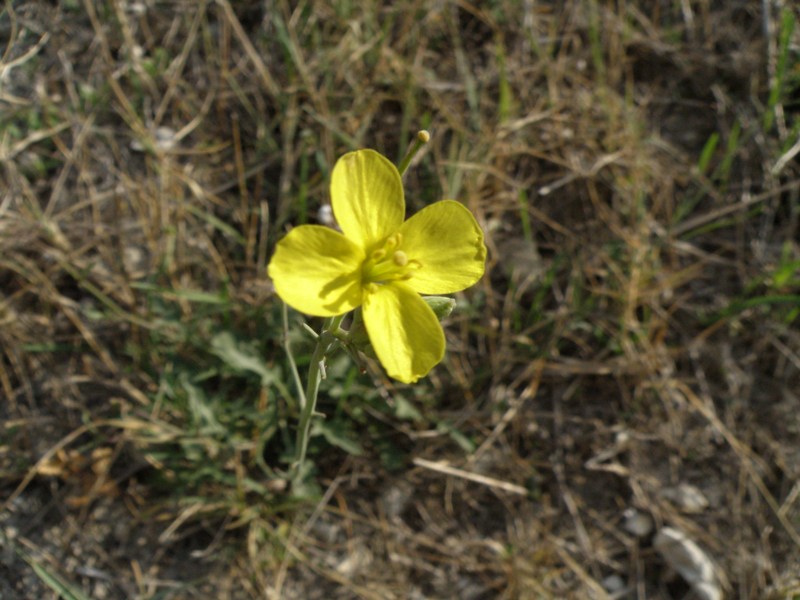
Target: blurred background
617, 415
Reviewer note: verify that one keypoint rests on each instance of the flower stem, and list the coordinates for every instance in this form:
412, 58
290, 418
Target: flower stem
326, 343
292, 364
423, 137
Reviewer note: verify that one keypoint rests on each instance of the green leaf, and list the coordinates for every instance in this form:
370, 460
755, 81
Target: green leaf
337, 435
200, 408
242, 358
54, 581
708, 152
403, 409
459, 438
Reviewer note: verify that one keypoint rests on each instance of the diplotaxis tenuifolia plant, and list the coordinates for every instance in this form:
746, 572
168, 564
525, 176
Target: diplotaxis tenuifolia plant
380, 263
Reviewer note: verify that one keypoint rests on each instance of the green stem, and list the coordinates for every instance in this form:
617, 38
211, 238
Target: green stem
423, 137
292, 364
326, 342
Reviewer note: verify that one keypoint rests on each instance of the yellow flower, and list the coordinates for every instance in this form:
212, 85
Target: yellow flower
381, 262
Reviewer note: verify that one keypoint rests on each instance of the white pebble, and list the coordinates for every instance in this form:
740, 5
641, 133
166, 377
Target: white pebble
686, 557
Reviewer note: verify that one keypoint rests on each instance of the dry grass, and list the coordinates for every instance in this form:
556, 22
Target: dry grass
634, 168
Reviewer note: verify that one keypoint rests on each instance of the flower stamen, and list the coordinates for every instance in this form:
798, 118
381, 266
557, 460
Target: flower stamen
388, 263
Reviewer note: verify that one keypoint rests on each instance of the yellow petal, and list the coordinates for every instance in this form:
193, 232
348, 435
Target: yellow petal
403, 330
448, 242
317, 271
367, 197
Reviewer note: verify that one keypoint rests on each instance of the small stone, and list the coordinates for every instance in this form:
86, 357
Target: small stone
165, 138
686, 497
356, 561
137, 8
325, 215
395, 499
637, 523
613, 584
688, 559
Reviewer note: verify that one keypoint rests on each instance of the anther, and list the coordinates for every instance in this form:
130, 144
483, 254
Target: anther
399, 258
392, 242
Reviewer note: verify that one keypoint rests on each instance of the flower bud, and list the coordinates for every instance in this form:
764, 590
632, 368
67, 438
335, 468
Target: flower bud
442, 305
